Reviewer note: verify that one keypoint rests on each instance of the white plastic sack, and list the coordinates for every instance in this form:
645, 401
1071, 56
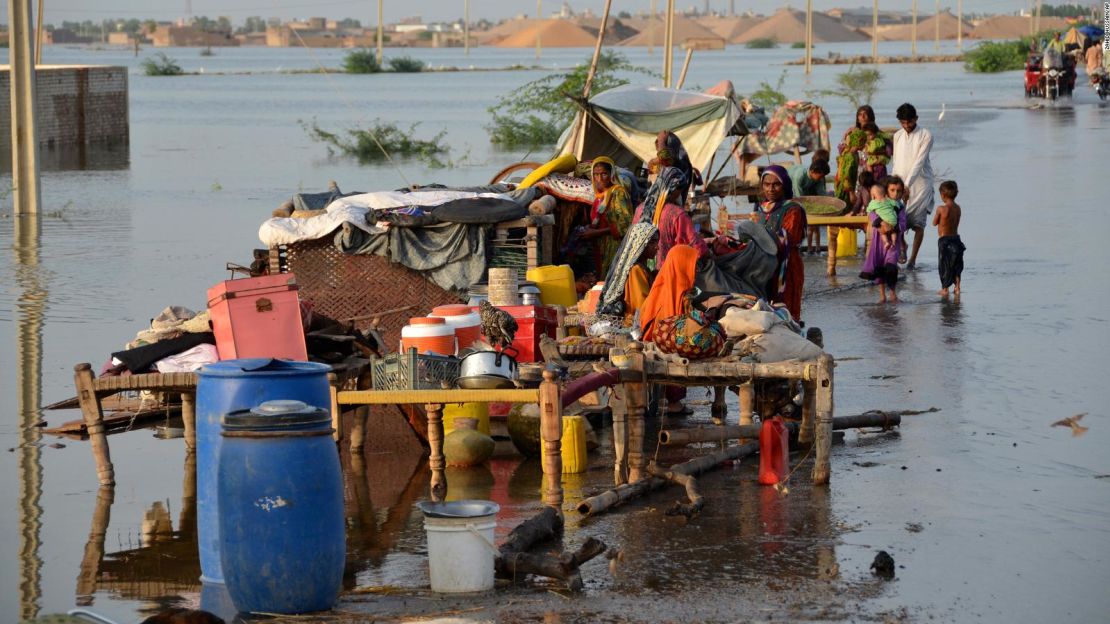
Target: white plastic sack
779, 344
744, 322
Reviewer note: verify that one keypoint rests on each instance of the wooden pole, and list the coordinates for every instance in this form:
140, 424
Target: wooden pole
960, 24
695, 435
636, 400
747, 402
436, 461
809, 405
25, 146
668, 46
651, 29
936, 27
1037, 19
685, 67
466, 27
189, 419
94, 422
336, 420
358, 429
619, 405
551, 434
623, 493
913, 31
809, 37
381, 32
875, 31
824, 424
539, 25
597, 50
719, 409
38, 34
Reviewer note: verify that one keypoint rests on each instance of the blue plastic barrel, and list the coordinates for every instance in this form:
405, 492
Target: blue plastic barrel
233, 385
282, 539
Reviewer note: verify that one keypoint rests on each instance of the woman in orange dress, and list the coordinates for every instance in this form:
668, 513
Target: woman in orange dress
786, 220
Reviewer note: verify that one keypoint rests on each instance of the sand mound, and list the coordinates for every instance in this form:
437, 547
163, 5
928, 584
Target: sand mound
730, 28
684, 28
926, 29
789, 26
553, 33
502, 30
1013, 26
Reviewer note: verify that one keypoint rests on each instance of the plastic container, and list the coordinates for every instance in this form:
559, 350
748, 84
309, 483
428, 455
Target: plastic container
556, 284
235, 385
257, 317
847, 244
466, 322
593, 296
460, 544
428, 335
282, 534
774, 451
533, 322
574, 445
477, 411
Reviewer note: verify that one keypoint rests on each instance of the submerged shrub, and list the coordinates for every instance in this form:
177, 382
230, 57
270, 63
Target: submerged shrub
371, 145
762, 43
361, 61
406, 64
991, 57
160, 65
857, 85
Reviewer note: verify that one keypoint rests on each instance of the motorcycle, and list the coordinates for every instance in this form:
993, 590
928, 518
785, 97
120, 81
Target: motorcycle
1100, 82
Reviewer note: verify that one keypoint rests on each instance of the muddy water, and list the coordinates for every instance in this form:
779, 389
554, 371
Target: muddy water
995, 516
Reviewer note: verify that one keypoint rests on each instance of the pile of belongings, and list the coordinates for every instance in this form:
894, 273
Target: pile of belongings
177, 340
759, 331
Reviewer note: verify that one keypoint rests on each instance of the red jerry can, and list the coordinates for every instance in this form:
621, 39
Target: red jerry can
774, 451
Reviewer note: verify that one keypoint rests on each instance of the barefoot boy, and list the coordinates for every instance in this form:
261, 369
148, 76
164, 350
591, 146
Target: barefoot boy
950, 248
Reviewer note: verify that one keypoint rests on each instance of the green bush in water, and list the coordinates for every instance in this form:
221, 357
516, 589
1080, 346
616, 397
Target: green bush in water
406, 65
160, 65
769, 97
798, 45
990, 57
857, 85
763, 43
536, 113
361, 61
371, 146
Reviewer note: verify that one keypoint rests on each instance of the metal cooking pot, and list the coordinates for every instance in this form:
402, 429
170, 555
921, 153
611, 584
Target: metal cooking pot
489, 363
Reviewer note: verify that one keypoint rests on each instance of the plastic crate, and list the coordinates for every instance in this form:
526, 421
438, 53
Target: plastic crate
413, 371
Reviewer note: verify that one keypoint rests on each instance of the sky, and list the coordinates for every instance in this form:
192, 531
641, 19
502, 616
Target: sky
57, 11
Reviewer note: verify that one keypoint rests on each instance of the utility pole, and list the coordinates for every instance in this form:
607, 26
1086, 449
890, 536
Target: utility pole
381, 33
1037, 19
466, 27
875, 31
732, 8
539, 25
913, 31
651, 29
25, 145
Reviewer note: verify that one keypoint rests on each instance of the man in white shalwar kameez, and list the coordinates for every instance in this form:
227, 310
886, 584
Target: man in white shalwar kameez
912, 145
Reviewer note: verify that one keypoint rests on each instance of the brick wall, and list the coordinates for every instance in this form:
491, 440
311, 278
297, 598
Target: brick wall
75, 104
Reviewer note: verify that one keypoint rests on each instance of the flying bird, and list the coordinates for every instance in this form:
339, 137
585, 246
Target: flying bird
497, 325
1073, 422
940, 117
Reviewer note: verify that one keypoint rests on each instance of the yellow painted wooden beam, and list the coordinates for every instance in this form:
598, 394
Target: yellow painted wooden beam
397, 397
859, 221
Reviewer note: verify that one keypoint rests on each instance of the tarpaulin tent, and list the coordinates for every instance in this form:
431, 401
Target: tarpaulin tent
622, 123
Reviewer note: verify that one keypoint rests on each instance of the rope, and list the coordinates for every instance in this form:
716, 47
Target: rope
359, 121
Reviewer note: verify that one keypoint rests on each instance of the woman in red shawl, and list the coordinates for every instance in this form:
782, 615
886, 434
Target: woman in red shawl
786, 219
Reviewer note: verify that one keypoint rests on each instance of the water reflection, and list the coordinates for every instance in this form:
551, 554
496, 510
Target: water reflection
112, 156
32, 308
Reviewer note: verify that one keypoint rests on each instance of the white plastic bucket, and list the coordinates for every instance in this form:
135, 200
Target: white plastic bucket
460, 544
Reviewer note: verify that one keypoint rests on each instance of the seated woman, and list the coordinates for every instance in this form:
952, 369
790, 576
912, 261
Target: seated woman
786, 220
610, 215
676, 276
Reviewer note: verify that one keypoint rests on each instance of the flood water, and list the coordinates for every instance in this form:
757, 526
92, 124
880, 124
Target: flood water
990, 513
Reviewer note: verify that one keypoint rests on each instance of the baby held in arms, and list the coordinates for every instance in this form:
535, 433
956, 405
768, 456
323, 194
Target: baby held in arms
887, 209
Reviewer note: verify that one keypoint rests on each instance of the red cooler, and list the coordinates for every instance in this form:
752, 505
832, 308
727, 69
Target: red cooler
533, 322
258, 317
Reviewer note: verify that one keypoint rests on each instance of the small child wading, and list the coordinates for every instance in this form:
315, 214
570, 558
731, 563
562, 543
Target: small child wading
949, 246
